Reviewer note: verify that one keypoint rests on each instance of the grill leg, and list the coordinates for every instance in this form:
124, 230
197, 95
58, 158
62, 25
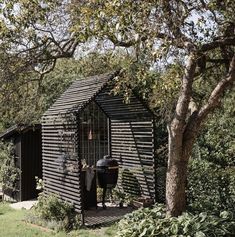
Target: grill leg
103, 197
111, 195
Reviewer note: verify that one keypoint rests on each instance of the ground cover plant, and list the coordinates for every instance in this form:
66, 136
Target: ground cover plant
154, 222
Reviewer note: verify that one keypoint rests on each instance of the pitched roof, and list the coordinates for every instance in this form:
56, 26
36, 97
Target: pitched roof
79, 94
18, 129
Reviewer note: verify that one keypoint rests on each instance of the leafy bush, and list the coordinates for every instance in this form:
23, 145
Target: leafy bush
9, 173
216, 142
212, 170
121, 197
210, 188
154, 222
54, 213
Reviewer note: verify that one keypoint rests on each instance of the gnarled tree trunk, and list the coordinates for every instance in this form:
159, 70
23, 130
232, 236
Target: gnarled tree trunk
180, 149
177, 157
183, 131
176, 176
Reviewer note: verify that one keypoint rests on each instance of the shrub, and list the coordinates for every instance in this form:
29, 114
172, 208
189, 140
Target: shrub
9, 173
154, 222
119, 196
216, 142
53, 212
210, 188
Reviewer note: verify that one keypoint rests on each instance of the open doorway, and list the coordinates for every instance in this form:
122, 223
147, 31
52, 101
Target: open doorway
93, 135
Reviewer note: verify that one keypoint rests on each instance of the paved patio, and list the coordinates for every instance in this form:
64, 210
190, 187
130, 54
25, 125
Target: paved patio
24, 205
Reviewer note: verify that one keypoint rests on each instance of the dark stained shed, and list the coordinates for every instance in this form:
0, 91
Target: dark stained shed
28, 158
87, 122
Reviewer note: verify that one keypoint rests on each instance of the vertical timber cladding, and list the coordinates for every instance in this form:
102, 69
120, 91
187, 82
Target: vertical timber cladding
131, 142
61, 164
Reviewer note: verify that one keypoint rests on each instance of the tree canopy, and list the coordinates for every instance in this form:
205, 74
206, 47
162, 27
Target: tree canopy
158, 34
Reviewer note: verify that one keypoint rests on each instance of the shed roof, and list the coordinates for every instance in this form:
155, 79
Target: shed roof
18, 129
79, 94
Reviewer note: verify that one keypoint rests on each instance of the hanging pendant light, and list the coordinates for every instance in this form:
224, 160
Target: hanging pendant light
90, 135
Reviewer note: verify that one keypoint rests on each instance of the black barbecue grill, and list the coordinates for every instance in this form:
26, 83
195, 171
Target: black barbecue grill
107, 173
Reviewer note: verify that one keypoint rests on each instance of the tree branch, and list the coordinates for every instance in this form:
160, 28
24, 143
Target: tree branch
116, 42
229, 41
216, 94
184, 98
197, 118
218, 61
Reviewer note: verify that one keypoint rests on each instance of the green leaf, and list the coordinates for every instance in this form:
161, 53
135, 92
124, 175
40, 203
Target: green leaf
199, 234
203, 216
224, 214
144, 232
174, 228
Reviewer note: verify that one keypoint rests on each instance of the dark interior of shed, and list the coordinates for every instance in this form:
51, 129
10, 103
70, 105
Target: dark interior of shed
94, 145
93, 136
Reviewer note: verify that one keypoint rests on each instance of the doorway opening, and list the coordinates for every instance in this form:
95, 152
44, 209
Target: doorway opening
93, 136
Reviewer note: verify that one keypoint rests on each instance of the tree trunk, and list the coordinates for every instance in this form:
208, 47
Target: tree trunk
176, 175
183, 132
176, 184
180, 150
177, 155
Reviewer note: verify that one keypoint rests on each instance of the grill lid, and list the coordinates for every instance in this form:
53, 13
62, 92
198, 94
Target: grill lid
106, 162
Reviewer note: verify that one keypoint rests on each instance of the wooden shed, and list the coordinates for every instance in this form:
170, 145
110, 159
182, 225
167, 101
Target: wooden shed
28, 158
88, 122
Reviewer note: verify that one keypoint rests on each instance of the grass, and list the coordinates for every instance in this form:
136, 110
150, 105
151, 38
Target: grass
12, 225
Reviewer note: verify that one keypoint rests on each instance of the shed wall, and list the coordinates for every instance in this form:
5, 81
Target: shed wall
132, 147
28, 158
132, 143
61, 163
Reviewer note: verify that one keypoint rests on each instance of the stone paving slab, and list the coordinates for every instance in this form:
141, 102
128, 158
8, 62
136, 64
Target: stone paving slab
24, 205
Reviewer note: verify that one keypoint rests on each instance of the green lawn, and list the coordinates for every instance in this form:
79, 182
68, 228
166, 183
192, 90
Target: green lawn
12, 225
